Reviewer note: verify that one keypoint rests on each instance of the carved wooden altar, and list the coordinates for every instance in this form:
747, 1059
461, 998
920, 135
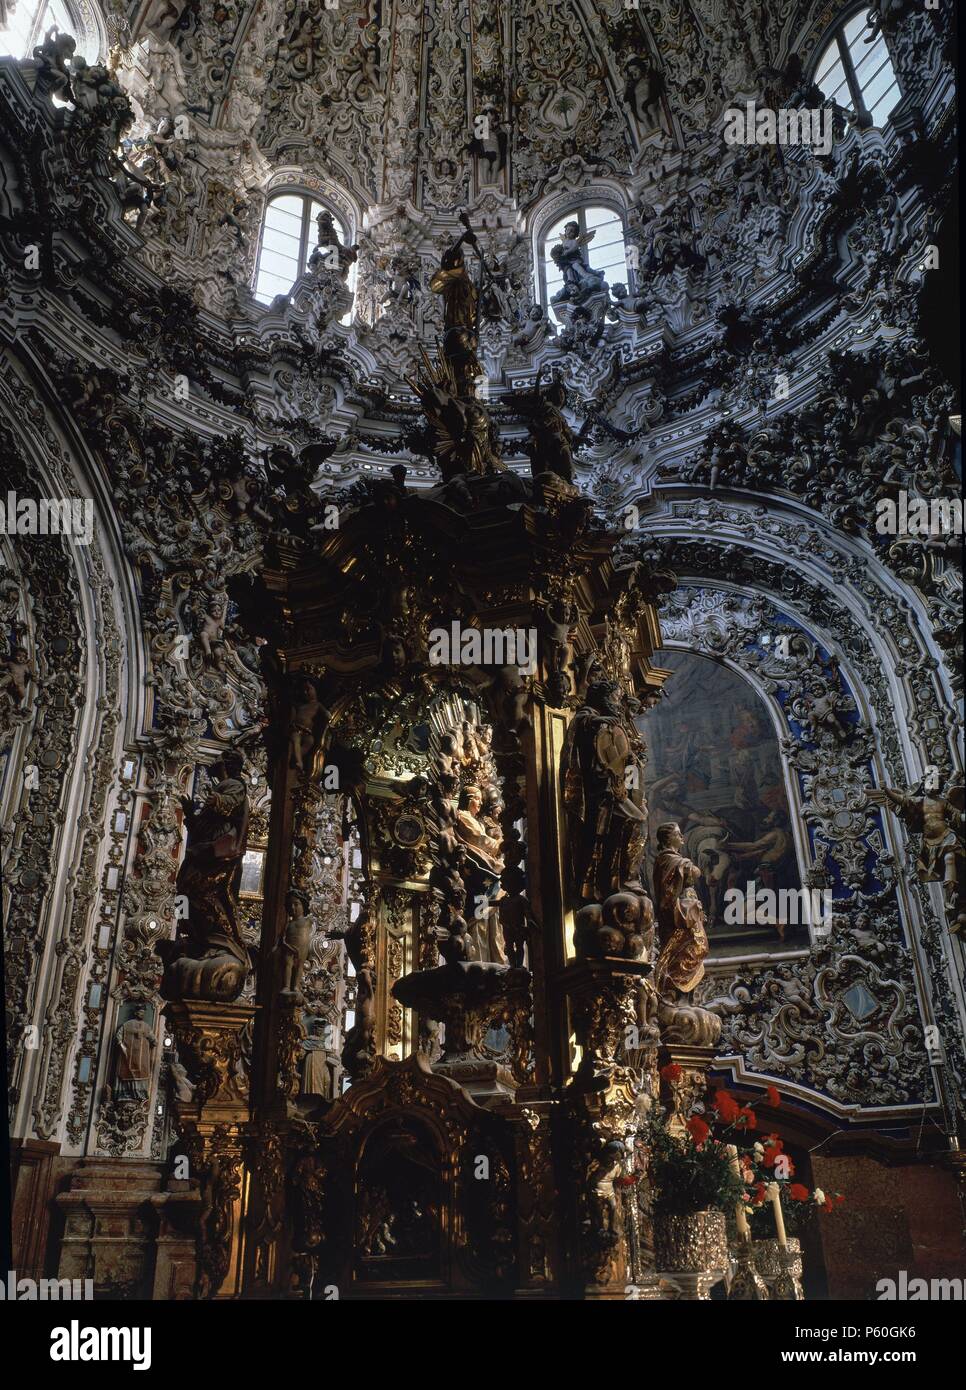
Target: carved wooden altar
506, 1026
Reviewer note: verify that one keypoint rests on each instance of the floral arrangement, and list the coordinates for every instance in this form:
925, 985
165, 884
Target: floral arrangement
765, 1163
691, 1171
702, 1168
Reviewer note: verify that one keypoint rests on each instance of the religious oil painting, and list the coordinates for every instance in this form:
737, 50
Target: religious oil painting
714, 767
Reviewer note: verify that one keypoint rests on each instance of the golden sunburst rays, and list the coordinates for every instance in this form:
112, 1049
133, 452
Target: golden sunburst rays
430, 374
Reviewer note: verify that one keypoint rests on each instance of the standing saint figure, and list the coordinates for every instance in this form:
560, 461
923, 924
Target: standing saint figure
209, 959
482, 865
453, 282
135, 1057
603, 796
292, 950
680, 916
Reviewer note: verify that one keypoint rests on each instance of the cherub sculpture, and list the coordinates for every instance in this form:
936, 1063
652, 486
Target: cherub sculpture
622, 926
938, 816
52, 57
306, 708
15, 674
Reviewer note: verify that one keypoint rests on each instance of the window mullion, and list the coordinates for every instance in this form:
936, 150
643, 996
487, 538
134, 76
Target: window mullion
863, 116
304, 243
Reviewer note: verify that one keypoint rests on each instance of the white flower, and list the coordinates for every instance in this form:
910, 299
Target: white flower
758, 1148
819, 1196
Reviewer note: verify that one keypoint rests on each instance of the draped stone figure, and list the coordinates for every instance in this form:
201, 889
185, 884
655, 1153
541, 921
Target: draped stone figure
209, 959
135, 1057
680, 915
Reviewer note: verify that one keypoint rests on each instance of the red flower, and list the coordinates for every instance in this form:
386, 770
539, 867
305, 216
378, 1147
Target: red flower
760, 1192
827, 1204
774, 1099
798, 1193
671, 1072
745, 1119
726, 1106
773, 1147
839, 1198
626, 1180
698, 1130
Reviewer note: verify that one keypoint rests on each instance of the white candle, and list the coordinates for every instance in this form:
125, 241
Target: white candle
741, 1220
776, 1203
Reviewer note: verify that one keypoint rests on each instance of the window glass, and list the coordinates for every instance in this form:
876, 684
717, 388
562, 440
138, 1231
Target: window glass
289, 236
605, 251
856, 71
25, 28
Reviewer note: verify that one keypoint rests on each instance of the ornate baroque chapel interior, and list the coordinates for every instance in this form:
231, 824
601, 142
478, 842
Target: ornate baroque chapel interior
481, 697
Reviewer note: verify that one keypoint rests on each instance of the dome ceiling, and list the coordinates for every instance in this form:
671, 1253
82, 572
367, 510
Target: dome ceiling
388, 98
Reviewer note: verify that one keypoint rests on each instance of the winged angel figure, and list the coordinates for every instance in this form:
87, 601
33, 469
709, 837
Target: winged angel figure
465, 434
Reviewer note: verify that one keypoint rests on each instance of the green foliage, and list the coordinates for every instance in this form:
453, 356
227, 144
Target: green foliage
687, 1176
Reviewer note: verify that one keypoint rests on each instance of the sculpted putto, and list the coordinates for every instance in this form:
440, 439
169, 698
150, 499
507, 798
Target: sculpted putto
938, 817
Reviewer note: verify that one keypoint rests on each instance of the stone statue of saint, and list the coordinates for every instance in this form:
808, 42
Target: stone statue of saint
551, 442
209, 959
680, 915
329, 253
135, 1057
316, 1072
302, 728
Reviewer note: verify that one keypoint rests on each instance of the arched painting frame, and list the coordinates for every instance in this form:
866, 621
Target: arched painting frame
715, 767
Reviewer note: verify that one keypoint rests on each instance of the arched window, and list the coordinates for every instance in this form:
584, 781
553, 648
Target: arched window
23, 30
857, 71
288, 240
604, 251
